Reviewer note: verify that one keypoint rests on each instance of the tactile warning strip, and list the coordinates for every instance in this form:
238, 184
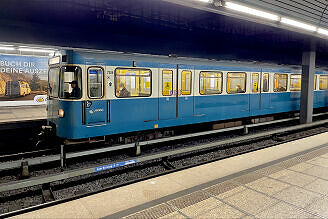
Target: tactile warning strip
154, 212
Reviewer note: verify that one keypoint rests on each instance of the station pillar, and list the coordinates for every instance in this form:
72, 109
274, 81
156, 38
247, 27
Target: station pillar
308, 69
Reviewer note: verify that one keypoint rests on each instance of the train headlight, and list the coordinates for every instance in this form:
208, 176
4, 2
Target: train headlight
61, 113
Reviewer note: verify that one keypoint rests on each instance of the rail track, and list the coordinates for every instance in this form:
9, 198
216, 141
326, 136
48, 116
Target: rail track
66, 176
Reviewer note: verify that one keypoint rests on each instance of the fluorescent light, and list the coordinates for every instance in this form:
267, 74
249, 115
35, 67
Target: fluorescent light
251, 11
323, 31
5, 45
6, 48
35, 50
207, 1
298, 24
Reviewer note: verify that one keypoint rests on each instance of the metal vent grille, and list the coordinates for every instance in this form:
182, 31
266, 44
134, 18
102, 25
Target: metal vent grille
310, 11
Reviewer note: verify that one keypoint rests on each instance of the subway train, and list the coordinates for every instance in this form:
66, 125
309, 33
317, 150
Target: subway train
98, 93
17, 88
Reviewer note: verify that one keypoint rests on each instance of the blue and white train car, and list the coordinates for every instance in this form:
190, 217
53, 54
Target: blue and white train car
95, 93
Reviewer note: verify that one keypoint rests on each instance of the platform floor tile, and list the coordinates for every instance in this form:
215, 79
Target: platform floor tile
319, 161
297, 179
317, 171
320, 207
300, 167
319, 186
268, 186
251, 201
283, 210
297, 196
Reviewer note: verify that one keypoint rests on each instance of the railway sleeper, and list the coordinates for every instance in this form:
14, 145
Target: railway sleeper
167, 165
47, 194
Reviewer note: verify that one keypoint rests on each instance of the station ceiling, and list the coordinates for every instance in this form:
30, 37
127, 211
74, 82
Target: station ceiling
155, 27
310, 11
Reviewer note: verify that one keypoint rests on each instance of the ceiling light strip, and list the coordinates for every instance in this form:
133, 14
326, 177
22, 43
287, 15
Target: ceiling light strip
251, 11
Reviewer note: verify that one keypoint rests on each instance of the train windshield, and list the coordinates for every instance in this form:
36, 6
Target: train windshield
70, 82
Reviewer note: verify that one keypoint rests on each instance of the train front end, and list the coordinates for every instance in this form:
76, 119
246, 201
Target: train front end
64, 95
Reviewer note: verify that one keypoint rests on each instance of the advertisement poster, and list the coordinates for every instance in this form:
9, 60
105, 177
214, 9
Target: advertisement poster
23, 80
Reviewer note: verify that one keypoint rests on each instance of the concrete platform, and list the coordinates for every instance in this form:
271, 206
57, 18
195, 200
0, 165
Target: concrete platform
286, 181
22, 114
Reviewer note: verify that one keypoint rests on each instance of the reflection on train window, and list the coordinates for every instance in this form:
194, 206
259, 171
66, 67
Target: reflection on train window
255, 82
295, 82
53, 82
323, 85
95, 82
236, 83
210, 83
132, 82
167, 85
280, 82
186, 82
265, 87
70, 82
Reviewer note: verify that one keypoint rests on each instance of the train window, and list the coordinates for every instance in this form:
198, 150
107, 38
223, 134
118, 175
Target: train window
315, 82
95, 82
280, 82
70, 82
167, 84
255, 82
186, 83
265, 87
323, 85
133, 82
210, 83
295, 82
53, 82
236, 83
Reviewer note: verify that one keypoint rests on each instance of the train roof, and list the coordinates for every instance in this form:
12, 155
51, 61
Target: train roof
88, 56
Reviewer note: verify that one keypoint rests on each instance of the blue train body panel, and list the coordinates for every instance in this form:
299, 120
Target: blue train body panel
91, 118
139, 114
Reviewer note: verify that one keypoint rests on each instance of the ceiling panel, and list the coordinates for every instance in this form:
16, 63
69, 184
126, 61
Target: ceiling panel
310, 11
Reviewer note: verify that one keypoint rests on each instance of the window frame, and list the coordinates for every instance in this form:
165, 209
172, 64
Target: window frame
102, 84
245, 85
274, 82
290, 83
59, 85
190, 82
220, 72
54, 67
268, 83
163, 81
151, 81
319, 81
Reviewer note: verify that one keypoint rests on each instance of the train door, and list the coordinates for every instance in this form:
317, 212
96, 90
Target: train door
96, 108
259, 93
265, 95
167, 91
185, 91
255, 93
